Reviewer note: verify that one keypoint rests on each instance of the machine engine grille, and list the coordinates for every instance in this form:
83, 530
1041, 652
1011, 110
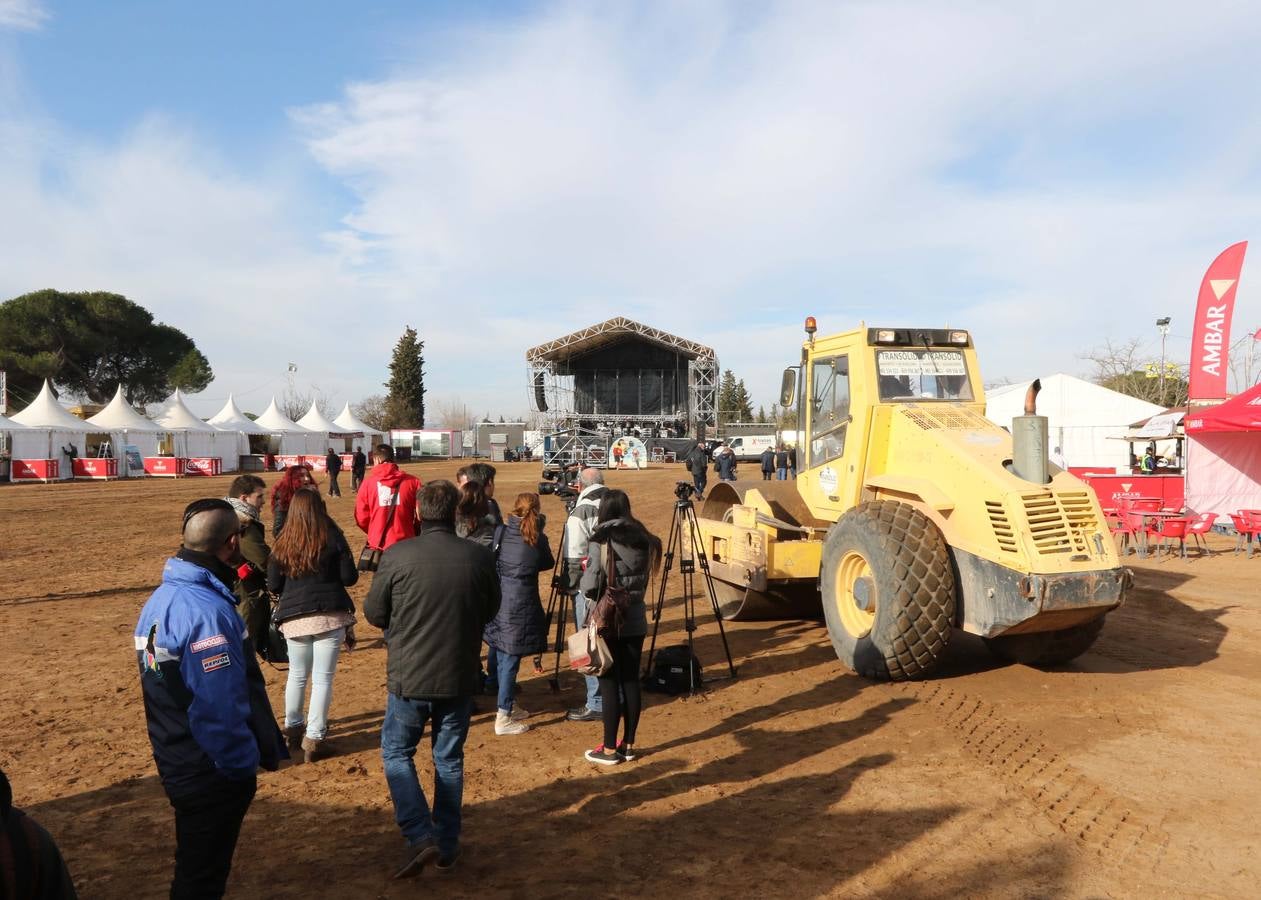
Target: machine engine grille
1003, 532
933, 418
1060, 522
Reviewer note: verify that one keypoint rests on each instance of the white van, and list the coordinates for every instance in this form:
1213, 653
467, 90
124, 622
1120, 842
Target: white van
750, 446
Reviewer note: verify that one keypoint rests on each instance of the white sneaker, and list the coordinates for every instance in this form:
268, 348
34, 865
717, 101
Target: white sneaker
505, 725
518, 714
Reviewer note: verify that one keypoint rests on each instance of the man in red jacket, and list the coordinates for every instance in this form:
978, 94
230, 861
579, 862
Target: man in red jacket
387, 486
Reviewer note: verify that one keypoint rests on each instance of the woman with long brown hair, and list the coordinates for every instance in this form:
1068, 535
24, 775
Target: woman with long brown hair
291, 481
310, 568
635, 554
518, 629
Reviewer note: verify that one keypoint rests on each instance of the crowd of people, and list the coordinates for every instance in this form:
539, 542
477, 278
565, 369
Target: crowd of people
450, 574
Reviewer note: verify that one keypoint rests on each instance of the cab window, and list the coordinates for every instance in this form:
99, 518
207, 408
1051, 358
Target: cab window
829, 408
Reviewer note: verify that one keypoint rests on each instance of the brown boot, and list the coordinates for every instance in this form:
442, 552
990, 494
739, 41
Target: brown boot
314, 749
293, 739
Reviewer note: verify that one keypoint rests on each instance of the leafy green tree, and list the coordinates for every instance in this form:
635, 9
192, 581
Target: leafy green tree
405, 402
87, 343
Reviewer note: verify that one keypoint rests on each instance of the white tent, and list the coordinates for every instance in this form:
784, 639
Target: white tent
294, 439
231, 419
63, 430
1082, 417
315, 420
128, 427
22, 441
347, 421
194, 438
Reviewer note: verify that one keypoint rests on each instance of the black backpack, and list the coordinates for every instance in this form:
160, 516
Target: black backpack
669, 673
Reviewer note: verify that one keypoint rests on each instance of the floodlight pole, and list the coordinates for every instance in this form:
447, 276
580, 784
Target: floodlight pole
1163, 325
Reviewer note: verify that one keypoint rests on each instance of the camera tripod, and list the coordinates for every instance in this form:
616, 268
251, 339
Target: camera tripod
689, 550
558, 606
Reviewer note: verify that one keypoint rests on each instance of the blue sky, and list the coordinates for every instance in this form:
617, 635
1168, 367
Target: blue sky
296, 182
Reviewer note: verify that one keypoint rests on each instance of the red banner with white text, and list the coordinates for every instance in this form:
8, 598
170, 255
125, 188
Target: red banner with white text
1210, 339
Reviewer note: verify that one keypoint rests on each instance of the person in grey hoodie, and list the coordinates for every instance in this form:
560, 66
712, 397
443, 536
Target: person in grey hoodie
635, 554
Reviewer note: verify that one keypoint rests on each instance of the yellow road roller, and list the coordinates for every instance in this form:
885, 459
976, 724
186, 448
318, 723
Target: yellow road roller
912, 515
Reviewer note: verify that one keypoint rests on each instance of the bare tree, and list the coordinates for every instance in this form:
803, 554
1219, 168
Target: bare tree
451, 412
370, 411
296, 401
1124, 367
1244, 359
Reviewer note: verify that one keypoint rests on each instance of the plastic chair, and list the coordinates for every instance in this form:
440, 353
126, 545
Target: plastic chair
1246, 528
1138, 528
1147, 504
1200, 526
1120, 526
1173, 528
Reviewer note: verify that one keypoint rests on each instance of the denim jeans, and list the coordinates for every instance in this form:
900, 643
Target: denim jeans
781, 474
504, 667
581, 607
401, 732
699, 481
314, 658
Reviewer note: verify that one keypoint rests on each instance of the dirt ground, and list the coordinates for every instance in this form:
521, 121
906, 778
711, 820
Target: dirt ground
1130, 773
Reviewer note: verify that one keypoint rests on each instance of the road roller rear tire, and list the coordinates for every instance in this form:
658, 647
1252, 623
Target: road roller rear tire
890, 556
1046, 648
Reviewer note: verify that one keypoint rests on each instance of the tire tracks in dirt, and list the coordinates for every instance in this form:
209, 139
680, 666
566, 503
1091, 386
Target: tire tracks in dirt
1095, 817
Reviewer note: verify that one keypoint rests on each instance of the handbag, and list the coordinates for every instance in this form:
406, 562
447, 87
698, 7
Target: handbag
370, 556
589, 653
274, 648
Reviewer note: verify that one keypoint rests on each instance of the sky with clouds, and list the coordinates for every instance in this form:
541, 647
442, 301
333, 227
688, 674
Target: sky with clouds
295, 182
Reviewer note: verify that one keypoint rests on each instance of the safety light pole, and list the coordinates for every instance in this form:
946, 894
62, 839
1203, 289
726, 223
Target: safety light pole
1163, 324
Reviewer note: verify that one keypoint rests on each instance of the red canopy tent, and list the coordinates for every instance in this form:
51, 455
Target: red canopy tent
1224, 455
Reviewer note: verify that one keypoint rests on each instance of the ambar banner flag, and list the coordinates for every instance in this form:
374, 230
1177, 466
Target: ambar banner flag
1210, 340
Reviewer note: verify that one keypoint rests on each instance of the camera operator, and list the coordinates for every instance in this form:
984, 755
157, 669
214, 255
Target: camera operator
577, 536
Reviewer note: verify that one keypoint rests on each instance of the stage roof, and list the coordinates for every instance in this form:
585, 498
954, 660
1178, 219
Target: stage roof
609, 332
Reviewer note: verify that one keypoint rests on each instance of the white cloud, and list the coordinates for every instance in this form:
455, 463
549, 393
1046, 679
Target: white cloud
1047, 175
22, 15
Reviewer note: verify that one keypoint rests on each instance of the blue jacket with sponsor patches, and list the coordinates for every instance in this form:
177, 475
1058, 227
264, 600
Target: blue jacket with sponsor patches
205, 700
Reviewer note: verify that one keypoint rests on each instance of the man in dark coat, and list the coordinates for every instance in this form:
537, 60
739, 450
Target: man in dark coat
433, 597
247, 495
358, 465
333, 462
781, 463
30, 862
768, 463
725, 462
698, 464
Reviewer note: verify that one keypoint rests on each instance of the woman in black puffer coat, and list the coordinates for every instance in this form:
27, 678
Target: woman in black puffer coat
518, 629
636, 554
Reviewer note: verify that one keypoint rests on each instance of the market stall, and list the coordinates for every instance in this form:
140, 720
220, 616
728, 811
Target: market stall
134, 438
68, 439
292, 440
194, 447
253, 442
368, 438
1224, 456
17, 443
340, 440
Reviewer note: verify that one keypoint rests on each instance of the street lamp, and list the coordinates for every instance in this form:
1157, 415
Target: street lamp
1162, 324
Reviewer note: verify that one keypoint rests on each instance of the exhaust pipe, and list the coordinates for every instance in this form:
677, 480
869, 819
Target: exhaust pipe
1029, 440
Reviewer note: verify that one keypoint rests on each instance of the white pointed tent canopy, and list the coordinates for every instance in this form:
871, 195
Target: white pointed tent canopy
22, 441
193, 438
349, 422
62, 429
294, 439
252, 438
128, 427
338, 437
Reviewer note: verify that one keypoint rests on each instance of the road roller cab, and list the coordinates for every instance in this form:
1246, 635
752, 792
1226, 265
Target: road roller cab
912, 515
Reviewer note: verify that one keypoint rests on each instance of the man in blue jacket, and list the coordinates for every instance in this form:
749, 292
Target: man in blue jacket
209, 719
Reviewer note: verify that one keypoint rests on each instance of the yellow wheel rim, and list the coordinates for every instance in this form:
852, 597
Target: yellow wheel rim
855, 594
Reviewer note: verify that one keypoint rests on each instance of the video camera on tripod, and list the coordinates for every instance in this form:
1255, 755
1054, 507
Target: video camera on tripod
562, 481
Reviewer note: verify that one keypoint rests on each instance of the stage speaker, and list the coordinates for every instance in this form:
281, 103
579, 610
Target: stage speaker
539, 399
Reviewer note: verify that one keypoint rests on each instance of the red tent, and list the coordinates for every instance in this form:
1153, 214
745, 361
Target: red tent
1240, 413
1224, 455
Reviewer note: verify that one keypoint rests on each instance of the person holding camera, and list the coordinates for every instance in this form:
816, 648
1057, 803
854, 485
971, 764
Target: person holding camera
634, 553
573, 548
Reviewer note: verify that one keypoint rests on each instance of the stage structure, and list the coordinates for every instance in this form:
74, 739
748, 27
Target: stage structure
621, 377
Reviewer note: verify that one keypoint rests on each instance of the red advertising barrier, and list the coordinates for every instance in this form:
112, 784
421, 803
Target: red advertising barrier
348, 460
164, 466
35, 470
1110, 488
317, 463
284, 462
95, 468
204, 465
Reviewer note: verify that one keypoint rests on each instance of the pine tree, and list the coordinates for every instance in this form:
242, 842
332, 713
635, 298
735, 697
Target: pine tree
726, 404
405, 403
743, 402
761, 414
